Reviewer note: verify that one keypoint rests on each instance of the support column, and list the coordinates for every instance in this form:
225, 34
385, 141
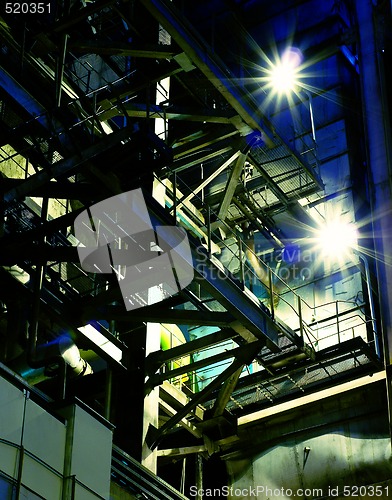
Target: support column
377, 130
128, 396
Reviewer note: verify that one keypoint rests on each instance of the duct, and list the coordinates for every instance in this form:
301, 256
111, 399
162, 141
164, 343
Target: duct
48, 360
71, 355
43, 362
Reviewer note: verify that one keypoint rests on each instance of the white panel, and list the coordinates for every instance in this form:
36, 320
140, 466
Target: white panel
44, 436
27, 494
11, 412
8, 459
40, 479
83, 494
92, 453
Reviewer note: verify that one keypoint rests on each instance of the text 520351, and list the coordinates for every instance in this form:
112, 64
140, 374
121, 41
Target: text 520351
27, 8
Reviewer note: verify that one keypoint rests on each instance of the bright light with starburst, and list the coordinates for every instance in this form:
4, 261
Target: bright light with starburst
284, 74
337, 239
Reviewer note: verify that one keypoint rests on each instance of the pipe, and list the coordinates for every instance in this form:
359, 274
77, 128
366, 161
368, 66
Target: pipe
371, 301
60, 357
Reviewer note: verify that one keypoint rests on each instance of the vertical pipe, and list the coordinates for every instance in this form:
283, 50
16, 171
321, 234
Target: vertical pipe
199, 476
310, 100
183, 476
371, 302
109, 380
20, 470
21, 447
68, 490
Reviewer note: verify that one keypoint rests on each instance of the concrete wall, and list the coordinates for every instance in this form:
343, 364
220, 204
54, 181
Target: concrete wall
340, 441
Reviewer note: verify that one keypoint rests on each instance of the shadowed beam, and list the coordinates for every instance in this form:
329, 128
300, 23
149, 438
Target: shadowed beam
104, 47
225, 393
159, 315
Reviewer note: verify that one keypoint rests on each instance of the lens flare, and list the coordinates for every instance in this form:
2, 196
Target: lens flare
337, 238
283, 75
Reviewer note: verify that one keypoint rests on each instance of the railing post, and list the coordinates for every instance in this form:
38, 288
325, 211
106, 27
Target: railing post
240, 256
209, 231
301, 325
175, 196
337, 320
271, 291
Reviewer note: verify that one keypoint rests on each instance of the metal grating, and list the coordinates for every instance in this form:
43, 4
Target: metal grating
260, 390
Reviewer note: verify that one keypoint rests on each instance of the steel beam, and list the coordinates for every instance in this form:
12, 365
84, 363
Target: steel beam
104, 47
214, 69
136, 110
60, 190
225, 393
161, 315
155, 380
68, 166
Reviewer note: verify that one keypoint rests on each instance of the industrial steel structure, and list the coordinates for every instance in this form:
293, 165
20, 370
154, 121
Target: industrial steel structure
262, 130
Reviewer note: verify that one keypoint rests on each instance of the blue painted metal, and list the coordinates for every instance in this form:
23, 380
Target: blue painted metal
17, 92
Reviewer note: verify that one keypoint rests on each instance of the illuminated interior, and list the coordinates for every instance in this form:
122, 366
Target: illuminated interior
262, 129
